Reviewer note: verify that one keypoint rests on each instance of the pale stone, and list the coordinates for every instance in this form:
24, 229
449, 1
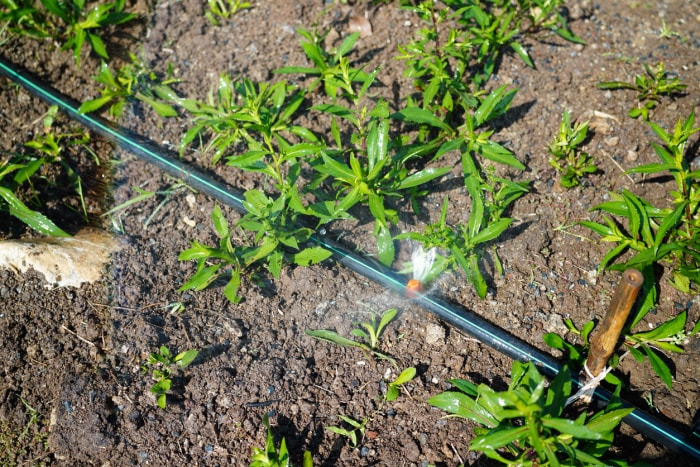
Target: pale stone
64, 261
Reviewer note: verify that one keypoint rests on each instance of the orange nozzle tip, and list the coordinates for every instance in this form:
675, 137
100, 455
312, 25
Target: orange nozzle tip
414, 288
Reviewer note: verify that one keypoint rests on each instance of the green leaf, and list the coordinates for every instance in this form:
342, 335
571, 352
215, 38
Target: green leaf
220, 223
660, 367
184, 359
668, 329
385, 246
33, 219
485, 112
421, 117
334, 337
668, 223
406, 375
313, 255
463, 406
231, 288
347, 44
423, 176
607, 422
94, 104
496, 439
522, 53
491, 232
497, 153
98, 45
201, 279
571, 427
465, 386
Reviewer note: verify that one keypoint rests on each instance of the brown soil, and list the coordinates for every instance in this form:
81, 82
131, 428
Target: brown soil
75, 355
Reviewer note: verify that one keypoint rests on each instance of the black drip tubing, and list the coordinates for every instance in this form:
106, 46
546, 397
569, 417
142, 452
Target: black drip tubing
466, 321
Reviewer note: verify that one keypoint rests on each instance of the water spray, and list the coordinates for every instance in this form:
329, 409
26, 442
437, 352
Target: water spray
464, 320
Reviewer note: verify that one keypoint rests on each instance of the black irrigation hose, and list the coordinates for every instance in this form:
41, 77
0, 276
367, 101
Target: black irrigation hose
464, 320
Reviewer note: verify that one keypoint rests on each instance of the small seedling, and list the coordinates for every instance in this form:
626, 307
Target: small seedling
392, 391
524, 424
25, 18
224, 9
271, 456
275, 232
355, 434
332, 68
370, 333
47, 149
665, 32
132, 81
649, 87
566, 155
658, 235
87, 22
15, 446
161, 365
166, 196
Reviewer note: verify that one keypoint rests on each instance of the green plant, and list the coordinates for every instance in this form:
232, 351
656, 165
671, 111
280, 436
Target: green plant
666, 32
82, 23
527, 424
478, 33
658, 235
10, 202
22, 17
132, 81
15, 445
355, 434
47, 149
161, 365
372, 170
167, 195
566, 156
369, 333
649, 87
490, 194
392, 391
224, 9
651, 345
271, 456
263, 218
467, 242
332, 68
258, 115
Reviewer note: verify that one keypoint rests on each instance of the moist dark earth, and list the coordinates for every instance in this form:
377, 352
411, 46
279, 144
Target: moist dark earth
72, 389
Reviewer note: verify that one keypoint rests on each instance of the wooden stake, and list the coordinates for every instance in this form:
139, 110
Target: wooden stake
604, 342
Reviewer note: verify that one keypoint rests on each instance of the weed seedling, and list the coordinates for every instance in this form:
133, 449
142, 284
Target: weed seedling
566, 156
370, 333
224, 9
132, 81
24, 18
658, 235
332, 68
393, 388
271, 456
525, 425
14, 446
649, 87
355, 434
87, 22
161, 365
47, 149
